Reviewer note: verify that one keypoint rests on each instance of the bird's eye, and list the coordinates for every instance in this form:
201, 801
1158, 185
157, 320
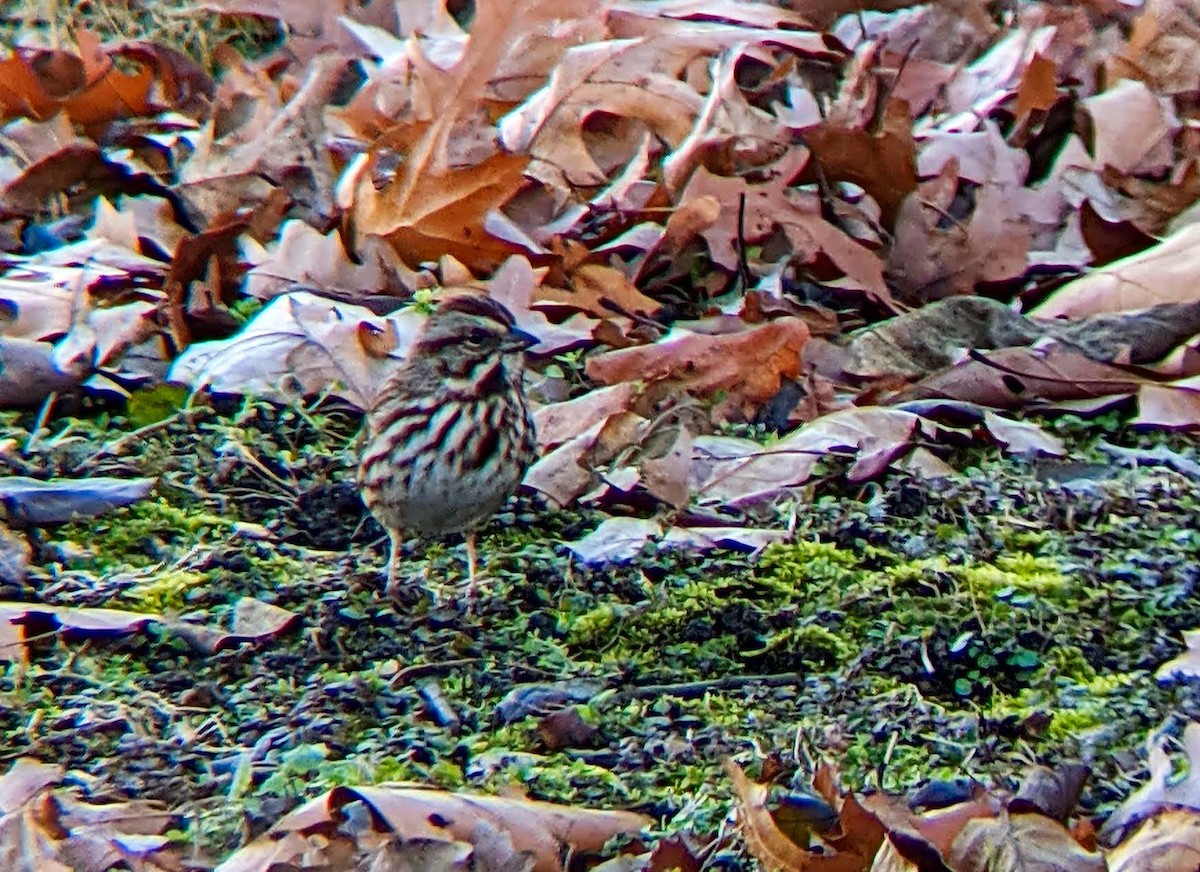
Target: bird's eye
477, 338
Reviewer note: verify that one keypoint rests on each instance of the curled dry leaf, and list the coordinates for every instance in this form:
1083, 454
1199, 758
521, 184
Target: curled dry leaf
1022, 437
1162, 274
48, 828
764, 839
747, 366
567, 471
1130, 105
280, 146
600, 291
933, 257
1171, 404
560, 422
516, 286
253, 621
772, 204
1020, 843
739, 471
99, 83
1169, 841
541, 829
849, 846
19, 622
1012, 378
300, 344
434, 186
1163, 789
862, 143
615, 540
303, 256
619, 539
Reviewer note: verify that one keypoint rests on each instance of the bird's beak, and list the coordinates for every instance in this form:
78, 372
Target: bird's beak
519, 340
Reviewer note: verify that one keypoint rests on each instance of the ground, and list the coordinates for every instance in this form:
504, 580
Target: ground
912, 630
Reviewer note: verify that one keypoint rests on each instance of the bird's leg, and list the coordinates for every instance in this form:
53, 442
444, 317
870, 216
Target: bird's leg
393, 571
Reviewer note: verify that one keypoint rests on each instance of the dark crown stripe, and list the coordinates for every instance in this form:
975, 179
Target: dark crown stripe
482, 307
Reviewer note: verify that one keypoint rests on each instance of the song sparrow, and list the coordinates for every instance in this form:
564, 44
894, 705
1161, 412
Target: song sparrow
449, 437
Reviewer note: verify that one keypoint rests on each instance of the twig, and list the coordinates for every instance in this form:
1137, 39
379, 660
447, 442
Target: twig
743, 265
693, 689
422, 670
118, 446
40, 423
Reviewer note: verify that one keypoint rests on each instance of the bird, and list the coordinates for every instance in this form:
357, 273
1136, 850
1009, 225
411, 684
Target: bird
449, 435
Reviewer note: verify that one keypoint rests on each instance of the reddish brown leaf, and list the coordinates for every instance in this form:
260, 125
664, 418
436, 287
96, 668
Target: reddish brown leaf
747, 365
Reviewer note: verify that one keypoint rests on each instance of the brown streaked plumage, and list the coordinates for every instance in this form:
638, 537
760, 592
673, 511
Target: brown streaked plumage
449, 437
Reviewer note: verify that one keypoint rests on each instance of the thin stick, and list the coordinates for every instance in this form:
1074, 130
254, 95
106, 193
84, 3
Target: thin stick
692, 689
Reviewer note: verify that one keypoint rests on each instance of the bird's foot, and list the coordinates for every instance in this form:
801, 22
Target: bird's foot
405, 587
471, 588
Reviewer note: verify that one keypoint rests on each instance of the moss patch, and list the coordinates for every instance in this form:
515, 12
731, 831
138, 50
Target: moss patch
911, 631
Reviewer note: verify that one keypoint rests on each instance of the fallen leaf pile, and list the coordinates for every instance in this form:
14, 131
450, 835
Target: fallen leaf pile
965, 827
737, 212
48, 827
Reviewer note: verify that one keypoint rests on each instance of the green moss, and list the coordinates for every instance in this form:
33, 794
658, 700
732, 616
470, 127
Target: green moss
905, 668
135, 536
164, 591
1020, 573
812, 644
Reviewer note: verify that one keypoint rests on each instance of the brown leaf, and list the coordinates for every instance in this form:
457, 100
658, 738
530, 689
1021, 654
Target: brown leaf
1012, 378
852, 144
1020, 843
515, 285
747, 365
1169, 841
946, 244
101, 83
416, 813
1130, 105
764, 840
278, 145
1173, 404
559, 422
302, 255
1022, 437
739, 471
1162, 274
566, 729
600, 291
1163, 48
298, 344
568, 471
429, 186
666, 477
1038, 90
772, 204
312, 28
1163, 789
254, 621
53, 830
777, 853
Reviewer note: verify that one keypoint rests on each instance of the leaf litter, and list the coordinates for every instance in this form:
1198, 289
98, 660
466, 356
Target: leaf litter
720, 223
